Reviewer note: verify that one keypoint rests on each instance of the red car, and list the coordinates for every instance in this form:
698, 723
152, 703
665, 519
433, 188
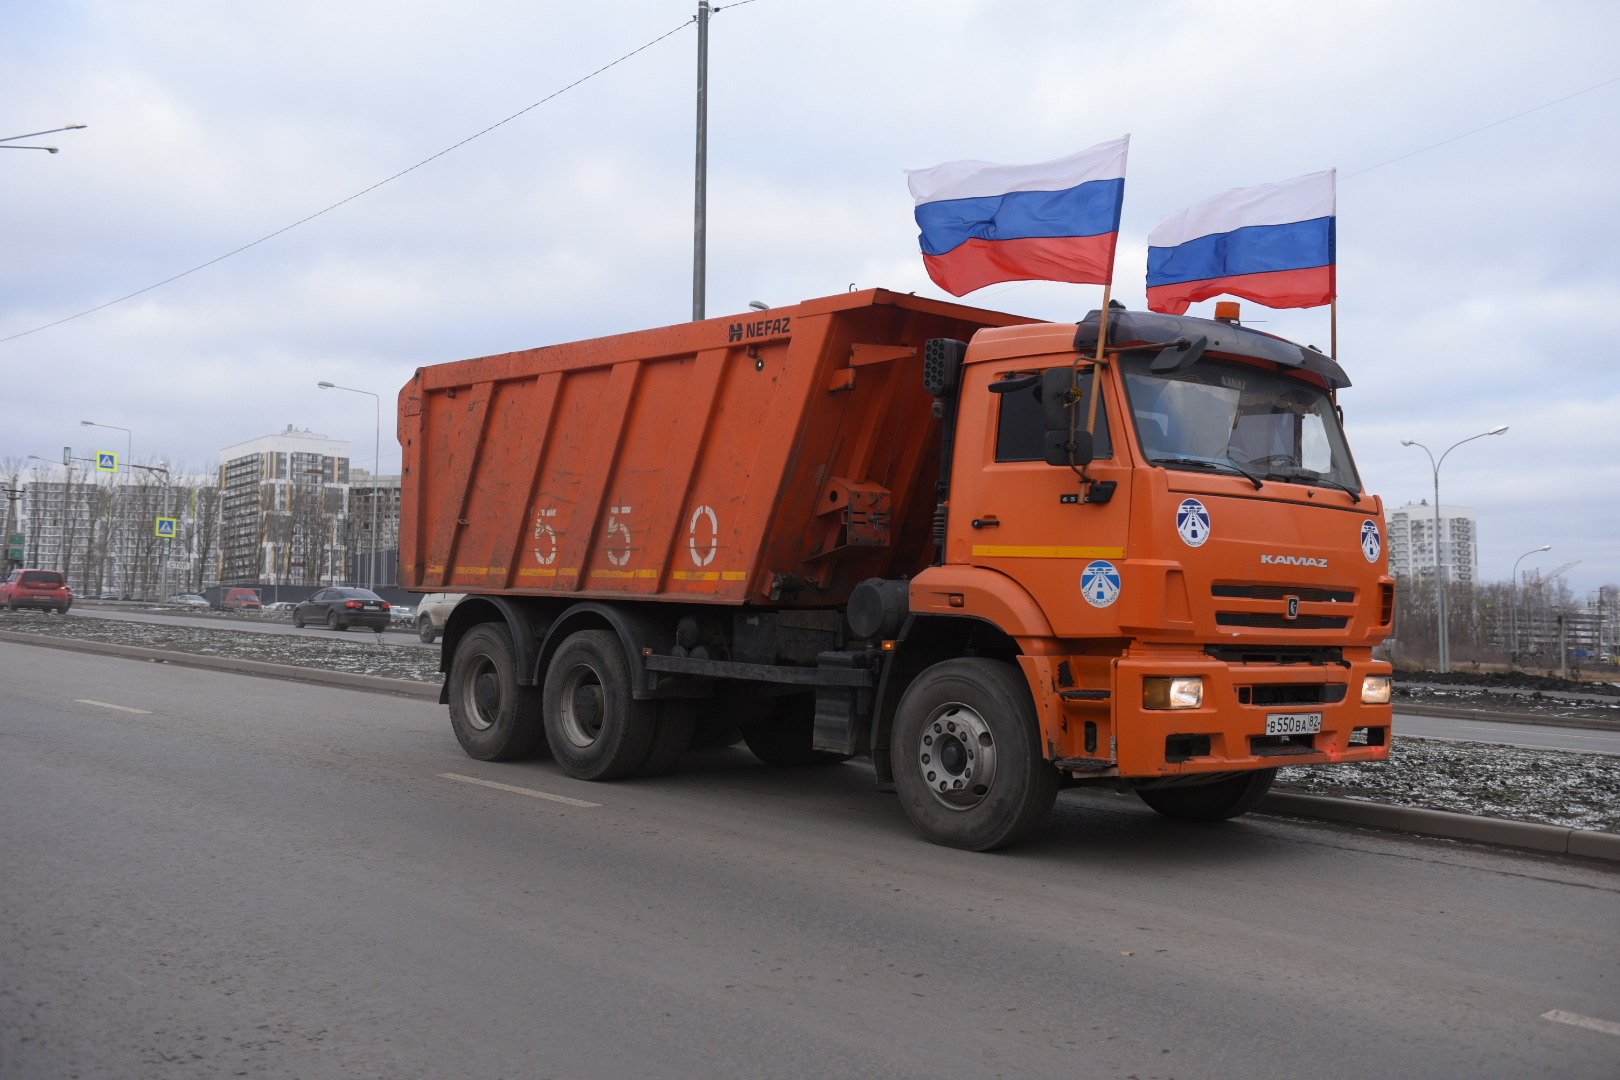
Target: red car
45, 589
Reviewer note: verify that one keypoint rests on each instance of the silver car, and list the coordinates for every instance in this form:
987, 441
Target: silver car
432, 612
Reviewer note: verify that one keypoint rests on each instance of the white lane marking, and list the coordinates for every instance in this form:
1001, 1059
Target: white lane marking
518, 790
1608, 1027
110, 705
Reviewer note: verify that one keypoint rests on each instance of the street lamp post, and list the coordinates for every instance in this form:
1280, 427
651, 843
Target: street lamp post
129, 438
1439, 583
376, 463
5, 144
1514, 595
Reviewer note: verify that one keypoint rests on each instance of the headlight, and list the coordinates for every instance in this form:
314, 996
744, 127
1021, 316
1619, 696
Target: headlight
1180, 692
1375, 690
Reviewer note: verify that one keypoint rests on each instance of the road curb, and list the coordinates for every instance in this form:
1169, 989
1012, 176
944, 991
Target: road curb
373, 683
1508, 718
1556, 838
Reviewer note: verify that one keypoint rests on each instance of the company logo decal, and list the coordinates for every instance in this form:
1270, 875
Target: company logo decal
1293, 607
1192, 522
1292, 560
1099, 583
1372, 544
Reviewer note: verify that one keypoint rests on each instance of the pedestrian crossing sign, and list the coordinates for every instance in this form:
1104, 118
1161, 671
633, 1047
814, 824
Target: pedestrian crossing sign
166, 527
106, 461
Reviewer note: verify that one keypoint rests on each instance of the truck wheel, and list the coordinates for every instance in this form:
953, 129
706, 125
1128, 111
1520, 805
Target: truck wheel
596, 728
671, 737
785, 738
493, 717
424, 630
1211, 802
967, 758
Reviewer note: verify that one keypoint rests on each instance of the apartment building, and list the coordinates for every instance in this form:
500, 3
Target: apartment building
1413, 539
284, 507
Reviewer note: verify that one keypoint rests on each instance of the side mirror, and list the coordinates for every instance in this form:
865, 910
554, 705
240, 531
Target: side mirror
1179, 355
1065, 449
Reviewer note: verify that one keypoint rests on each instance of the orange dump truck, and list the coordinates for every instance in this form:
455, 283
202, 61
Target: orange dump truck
954, 540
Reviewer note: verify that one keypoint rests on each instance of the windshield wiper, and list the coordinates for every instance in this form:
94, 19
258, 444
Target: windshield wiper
1201, 463
1312, 477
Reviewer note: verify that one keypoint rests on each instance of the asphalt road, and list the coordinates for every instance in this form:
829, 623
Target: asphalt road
246, 877
1533, 736
205, 622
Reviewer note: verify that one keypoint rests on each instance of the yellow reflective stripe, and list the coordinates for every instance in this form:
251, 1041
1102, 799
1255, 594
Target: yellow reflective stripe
733, 575
1031, 551
695, 575
543, 571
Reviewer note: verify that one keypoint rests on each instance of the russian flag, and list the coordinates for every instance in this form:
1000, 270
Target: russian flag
1273, 244
1058, 221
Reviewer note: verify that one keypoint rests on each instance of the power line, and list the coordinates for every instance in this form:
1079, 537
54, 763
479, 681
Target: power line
356, 195
1487, 127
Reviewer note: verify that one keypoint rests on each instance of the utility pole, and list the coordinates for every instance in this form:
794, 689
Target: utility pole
700, 210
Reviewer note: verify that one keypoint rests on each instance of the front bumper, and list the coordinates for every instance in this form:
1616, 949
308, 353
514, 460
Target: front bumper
1118, 736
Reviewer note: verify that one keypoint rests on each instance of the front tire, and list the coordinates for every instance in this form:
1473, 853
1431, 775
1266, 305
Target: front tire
967, 756
1211, 802
494, 718
298, 621
596, 727
424, 630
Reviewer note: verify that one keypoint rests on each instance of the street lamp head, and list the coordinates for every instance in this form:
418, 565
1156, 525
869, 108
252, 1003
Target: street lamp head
327, 386
74, 127
1544, 547
1497, 430
87, 423
1406, 442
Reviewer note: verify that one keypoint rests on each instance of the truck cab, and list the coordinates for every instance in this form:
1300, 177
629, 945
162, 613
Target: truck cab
1197, 596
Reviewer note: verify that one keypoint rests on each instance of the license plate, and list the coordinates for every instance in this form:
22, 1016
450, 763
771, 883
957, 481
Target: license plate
1309, 723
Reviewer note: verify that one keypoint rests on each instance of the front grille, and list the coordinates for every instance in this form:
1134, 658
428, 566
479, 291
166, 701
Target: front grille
1292, 694
1274, 621
1277, 654
1309, 594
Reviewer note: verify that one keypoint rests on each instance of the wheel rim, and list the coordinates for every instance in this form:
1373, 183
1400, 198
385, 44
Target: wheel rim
481, 694
581, 706
956, 757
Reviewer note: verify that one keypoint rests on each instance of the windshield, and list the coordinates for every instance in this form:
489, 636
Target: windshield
1234, 418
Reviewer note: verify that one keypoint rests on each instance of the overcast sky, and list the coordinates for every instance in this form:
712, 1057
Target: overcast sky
1475, 278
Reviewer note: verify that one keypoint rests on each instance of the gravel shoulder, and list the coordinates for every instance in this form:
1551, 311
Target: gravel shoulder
361, 655
1550, 787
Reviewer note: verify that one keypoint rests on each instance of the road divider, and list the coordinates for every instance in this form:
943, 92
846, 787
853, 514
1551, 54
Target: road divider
347, 679
1543, 719
1411, 819
518, 790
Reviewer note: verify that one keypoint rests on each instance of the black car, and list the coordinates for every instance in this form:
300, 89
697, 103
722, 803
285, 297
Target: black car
339, 609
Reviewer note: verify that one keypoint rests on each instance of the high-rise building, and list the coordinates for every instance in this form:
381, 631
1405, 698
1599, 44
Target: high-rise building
1412, 540
283, 509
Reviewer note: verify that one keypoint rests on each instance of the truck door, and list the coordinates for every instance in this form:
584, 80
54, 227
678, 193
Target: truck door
1014, 513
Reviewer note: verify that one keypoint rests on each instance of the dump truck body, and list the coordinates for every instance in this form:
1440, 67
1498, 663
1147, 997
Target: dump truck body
841, 528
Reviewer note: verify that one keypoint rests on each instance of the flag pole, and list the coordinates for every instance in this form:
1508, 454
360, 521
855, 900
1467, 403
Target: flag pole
1333, 324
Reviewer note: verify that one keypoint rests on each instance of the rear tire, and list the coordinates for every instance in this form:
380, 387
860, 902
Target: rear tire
424, 630
1211, 802
784, 740
967, 756
494, 718
332, 622
671, 737
596, 727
